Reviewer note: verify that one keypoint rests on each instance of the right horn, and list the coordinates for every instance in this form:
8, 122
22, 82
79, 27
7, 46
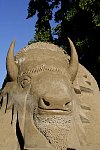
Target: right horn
73, 65
12, 69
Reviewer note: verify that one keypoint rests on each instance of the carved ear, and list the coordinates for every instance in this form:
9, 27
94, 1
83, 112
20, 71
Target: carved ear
73, 65
11, 66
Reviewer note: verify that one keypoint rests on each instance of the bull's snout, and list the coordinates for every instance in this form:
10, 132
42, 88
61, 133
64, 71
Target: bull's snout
57, 105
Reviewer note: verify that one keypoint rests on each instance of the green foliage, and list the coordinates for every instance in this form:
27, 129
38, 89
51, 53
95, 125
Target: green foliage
43, 36
77, 19
43, 10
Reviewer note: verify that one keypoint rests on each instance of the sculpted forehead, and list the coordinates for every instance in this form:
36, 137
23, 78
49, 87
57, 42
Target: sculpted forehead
56, 84
39, 54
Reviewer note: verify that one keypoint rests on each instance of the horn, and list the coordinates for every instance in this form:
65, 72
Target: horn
11, 66
73, 65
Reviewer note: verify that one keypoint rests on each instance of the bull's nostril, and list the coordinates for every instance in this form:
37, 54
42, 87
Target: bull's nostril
67, 103
46, 102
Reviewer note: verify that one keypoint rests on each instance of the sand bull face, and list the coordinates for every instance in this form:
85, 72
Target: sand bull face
47, 69
48, 75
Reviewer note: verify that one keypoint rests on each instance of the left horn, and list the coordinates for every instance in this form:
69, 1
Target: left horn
73, 65
11, 66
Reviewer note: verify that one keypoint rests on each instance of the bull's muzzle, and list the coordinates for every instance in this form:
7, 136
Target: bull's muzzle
54, 106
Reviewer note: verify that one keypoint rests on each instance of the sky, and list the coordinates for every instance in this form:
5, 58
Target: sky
14, 25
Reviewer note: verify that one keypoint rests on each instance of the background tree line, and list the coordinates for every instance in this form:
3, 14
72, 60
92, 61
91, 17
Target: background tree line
77, 19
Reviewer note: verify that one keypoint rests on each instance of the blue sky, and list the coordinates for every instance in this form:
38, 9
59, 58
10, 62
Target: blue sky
13, 25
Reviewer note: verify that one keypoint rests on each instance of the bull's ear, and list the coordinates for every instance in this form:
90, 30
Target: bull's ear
73, 65
12, 69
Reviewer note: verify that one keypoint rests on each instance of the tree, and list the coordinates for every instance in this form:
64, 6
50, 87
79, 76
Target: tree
44, 14
77, 19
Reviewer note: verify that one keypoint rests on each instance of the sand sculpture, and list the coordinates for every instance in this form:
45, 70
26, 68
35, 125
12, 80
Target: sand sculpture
48, 101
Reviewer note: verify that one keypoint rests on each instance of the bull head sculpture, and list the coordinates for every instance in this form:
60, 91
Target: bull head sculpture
41, 78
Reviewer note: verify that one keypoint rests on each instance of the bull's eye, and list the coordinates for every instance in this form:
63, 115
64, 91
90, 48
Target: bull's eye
25, 81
